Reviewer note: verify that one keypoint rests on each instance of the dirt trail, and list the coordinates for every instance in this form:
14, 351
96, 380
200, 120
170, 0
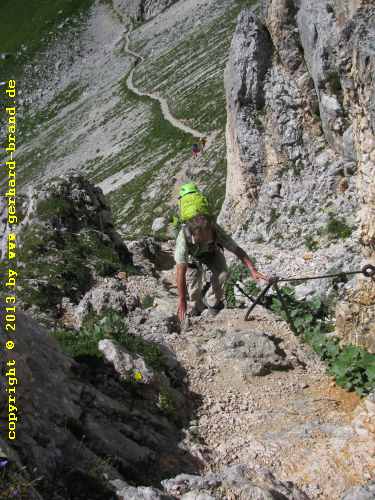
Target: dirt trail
155, 96
295, 422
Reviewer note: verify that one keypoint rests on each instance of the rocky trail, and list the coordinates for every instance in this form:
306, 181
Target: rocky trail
267, 401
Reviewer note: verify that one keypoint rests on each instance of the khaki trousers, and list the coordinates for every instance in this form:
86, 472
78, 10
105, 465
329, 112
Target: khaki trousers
217, 266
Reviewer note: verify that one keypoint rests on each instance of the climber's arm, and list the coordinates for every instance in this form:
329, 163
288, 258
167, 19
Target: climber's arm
181, 257
181, 287
229, 244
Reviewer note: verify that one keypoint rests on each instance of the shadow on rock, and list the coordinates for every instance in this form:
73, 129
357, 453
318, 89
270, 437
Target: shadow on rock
83, 424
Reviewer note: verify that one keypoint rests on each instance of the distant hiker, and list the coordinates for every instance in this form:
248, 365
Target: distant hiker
195, 150
201, 241
203, 142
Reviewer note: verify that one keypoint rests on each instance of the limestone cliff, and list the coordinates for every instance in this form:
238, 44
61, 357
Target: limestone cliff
300, 137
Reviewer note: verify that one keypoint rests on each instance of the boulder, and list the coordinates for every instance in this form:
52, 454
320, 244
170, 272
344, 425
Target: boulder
89, 413
126, 364
257, 353
108, 294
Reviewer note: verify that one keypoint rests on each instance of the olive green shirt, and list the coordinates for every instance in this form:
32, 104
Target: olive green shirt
183, 250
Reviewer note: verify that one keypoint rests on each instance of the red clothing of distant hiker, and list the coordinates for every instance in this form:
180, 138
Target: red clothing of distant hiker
195, 150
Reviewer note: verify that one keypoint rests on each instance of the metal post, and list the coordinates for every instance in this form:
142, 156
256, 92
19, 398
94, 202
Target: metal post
257, 300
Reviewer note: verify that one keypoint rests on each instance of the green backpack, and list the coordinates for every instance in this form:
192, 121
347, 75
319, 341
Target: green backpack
193, 204
195, 216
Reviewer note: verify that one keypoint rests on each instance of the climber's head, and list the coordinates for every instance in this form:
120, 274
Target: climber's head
188, 188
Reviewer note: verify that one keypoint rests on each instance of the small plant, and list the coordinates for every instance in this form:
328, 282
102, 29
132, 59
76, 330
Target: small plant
310, 243
274, 215
353, 367
166, 403
148, 302
110, 326
337, 228
13, 482
259, 239
237, 272
293, 210
333, 79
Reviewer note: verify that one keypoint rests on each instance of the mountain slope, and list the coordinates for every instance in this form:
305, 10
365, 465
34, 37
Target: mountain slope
78, 112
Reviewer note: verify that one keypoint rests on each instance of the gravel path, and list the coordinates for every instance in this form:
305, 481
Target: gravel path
293, 422
156, 97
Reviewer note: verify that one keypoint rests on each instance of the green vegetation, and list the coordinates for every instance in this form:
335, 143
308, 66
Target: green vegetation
202, 54
274, 215
110, 325
148, 302
61, 258
166, 403
310, 243
54, 268
14, 484
159, 131
333, 79
30, 26
353, 367
337, 228
30, 122
237, 272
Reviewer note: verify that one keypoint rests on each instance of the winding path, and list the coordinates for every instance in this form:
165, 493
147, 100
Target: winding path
156, 97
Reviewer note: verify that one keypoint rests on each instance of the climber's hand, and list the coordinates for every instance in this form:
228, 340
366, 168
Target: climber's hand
257, 276
181, 311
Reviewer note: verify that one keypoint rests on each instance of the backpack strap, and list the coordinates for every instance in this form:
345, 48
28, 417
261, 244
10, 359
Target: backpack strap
187, 233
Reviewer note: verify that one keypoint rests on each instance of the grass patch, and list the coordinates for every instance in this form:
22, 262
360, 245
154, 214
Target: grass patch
167, 403
62, 253
337, 228
310, 243
30, 122
110, 325
202, 54
274, 215
30, 26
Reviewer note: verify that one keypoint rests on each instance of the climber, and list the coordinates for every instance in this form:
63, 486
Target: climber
195, 150
203, 142
201, 241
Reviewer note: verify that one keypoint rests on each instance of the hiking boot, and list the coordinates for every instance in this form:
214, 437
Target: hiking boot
214, 310
195, 312
218, 307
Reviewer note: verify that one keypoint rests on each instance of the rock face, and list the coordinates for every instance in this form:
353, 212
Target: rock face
238, 481
357, 315
74, 416
244, 81
128, 366
67, 243
300, 136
